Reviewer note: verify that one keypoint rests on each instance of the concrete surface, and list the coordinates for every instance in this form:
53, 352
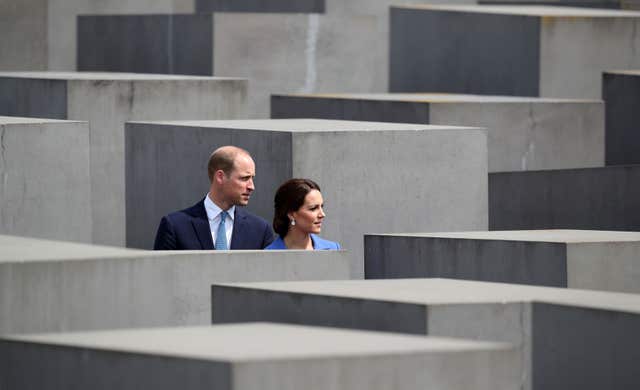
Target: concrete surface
605, 198
51, 286
296, 6
622, 100
40, 161
509, 50
567, 338
41, 34
523, 133
414, 176
253, 356
166, 44
614, 4
106, 101
585, 259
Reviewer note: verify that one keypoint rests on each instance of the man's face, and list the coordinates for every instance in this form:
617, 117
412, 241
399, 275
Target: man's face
238, 186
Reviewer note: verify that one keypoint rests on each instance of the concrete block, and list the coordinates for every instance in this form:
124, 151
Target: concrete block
167, 44
585, 259
253, 356
53, 286
612, 4
41, 34
566, 338
523, 133
606, 198
509, 50
622, 100
106, 101
414, 176
297, 6
40, 161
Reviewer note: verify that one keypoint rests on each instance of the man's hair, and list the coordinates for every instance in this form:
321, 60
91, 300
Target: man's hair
223, 159
290, 197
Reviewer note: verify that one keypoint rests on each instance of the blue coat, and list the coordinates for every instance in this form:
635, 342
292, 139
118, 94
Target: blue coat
318, 244
189, 229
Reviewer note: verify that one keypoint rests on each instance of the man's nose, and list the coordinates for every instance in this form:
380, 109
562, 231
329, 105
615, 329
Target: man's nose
250, 185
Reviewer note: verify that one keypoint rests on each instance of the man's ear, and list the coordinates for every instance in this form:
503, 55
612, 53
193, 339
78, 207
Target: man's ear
219, 176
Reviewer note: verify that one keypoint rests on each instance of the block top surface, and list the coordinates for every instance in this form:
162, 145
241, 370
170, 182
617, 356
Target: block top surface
559, 236
16, 120
256, 342
107, 76
629, 72
305, 125
451, 291
23, 249
528, 10
438, 98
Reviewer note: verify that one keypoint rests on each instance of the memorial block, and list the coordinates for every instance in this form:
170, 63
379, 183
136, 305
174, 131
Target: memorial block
46, 189
606, 198
258, 356
621, 93
414, 176
296, 6
566, 338
509, 50
613, 4
106, 101
53, 286
523, 133
585, 259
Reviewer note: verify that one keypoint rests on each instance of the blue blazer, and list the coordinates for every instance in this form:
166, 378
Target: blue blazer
318, 244
189, 229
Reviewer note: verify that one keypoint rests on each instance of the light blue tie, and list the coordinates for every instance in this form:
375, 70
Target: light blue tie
221, 236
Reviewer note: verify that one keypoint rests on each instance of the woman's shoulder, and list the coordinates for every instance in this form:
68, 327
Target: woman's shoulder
321, 243
278, 243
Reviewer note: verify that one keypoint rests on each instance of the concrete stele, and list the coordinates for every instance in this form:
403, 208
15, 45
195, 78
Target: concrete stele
414, 176
255, 356
524, 133
577, 338
585, 259
106, 101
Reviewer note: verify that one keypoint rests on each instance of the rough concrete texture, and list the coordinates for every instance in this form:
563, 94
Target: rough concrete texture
254, 356
523, 133
586, 259
106, 101
41, 34
510, 50
41, 160
51, 286
567, 338
166, 44
614, 4
605, 198
620, 92
414, 176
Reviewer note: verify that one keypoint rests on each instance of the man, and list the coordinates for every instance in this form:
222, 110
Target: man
215, 222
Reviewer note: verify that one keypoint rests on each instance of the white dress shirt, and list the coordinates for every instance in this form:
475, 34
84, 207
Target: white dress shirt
213, 215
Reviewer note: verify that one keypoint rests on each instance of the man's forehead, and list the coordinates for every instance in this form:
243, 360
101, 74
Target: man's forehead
243, 163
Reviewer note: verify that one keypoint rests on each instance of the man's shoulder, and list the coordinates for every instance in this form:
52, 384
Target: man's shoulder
250, 218
195, 211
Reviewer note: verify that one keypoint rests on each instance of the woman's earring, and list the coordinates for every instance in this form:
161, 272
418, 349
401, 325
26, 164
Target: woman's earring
293, 222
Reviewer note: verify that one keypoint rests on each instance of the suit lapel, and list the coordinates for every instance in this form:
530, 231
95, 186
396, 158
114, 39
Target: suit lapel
200, 224
238, 228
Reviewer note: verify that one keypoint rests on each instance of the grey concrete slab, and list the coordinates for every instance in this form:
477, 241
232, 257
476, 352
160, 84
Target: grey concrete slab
567, 338
622, 100
253, 356
414, 176
297, 6
613, 4
166, 44
606, 198
46, 184
509, 50
53, 286
523, 133
106, 101
41, 34
586, 259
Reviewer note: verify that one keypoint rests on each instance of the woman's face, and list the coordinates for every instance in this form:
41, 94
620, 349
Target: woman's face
310, 215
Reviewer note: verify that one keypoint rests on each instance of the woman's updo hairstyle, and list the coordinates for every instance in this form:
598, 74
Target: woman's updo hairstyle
290, 197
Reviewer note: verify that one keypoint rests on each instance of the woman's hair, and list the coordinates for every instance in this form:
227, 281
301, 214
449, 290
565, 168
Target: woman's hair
290, 197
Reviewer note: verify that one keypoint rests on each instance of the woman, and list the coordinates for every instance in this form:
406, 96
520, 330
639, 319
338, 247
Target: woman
298, 217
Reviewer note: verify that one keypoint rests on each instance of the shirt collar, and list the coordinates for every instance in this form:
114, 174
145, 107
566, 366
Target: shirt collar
213, 210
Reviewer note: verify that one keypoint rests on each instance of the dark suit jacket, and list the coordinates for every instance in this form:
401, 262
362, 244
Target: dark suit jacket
189, 229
